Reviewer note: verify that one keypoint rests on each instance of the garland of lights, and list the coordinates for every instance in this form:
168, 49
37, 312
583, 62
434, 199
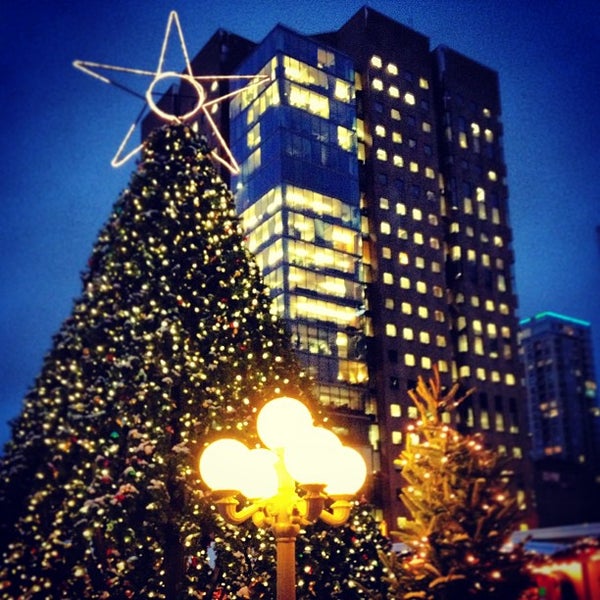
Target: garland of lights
201, 105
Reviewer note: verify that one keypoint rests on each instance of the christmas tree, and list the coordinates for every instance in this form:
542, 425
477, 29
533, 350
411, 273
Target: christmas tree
171, 344
461, 509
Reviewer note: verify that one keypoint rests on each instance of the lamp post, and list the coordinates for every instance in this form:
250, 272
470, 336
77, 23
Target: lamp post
287, 483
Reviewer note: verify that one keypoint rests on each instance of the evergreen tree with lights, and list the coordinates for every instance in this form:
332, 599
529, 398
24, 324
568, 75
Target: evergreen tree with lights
171, 344
461, 509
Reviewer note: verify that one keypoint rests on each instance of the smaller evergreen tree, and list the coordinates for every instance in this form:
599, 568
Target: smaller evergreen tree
461, 511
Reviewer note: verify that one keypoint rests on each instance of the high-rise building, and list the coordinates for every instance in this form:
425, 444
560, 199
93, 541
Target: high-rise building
564, 417
373, 192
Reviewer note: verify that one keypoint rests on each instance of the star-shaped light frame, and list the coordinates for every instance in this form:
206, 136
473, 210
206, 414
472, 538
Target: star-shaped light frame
202, 105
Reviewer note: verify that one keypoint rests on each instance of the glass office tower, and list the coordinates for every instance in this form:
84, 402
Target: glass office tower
298, 196
564, 415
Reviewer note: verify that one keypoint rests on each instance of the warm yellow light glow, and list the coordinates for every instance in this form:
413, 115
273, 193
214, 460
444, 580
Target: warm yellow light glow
258, 474
311, 459
220, 464
349, 473
282, 421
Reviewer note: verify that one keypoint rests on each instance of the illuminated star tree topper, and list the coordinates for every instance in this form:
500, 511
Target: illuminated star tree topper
202, 103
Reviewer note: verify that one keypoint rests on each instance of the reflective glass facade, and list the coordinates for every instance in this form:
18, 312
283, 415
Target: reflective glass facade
298, 197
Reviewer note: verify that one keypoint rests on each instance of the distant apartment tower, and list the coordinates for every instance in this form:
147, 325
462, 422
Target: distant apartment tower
564, 416
372, 190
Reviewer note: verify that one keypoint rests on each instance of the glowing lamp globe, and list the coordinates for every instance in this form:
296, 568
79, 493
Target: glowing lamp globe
349, 475
259, 476
281, 421
311, 459
221, 464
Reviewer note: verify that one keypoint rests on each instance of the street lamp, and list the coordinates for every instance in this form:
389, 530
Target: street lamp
297, 452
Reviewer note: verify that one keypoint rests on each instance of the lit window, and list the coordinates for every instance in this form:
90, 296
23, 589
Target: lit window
380, 130
408, 333
421, 287
402, 233
409, 98
440, 341
480, 374
254, 136
403, 258
492, 176
414, 167
426, 127
489, 136
394, 92
409, 361
396, 437
424, 337
344, 138
395, 114
395, 410
396, 137
400, 208
475, 129
384, 203
510, 379
429, 173
468, 206
405, 283
489, 305
425, 362
325, 58
381, 154
517, 452
385, 228
434, 243
392, 69
498, 241
418, 237
463, 343
390, 330
406, 308
464, 371
420, 262
310, 101
478, 346
436, 267
389, 303
484, 418
487, 112
417, 214
423, 312
398, 160
377, 84
376, 61
423, 83
479, 194
342, 90
388, 278
462, 139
